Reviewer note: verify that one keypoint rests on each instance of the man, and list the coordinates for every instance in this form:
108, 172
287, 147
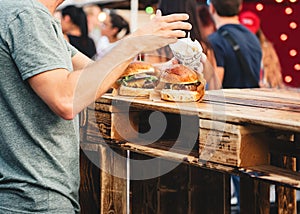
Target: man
271, 76
40, 99
232, 75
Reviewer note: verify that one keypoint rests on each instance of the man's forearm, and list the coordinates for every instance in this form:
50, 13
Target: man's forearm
94, 80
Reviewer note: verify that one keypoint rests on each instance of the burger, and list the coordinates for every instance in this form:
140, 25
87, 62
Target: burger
181, 84
139, 79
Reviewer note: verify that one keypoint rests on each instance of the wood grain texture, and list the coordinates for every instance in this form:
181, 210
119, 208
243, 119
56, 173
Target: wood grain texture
233, 109
254, 196
89, 183
113, 188
184, 190
233, 144
239, 129
275, 174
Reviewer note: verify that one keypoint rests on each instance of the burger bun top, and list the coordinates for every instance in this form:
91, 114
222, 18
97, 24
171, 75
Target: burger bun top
137, 67
179, 74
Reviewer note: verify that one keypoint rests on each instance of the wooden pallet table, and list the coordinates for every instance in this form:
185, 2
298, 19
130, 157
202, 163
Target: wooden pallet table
253, 133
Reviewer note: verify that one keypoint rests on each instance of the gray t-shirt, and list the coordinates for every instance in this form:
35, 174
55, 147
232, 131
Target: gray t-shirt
39, 151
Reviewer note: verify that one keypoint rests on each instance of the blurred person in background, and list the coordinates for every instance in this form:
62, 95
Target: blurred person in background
113, 28
92, 12
232, 72
45, 82
75, 29
207, 24
164, 54
271, 76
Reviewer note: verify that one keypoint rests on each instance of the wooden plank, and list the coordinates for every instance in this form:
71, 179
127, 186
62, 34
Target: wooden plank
173, 201
89, 193
211, 192
233, 144
102, 107
112, 125
231, 128
274, 99
254, 196
281, 95
284, 120
144, 195
113, 189
286, 197
104, 100
265, 172
286, 200
159, 153
219, 148
289, 93
124, 126
248, 101
281, 120
276, 175
188, 159
99, 124
89, 147
173, 191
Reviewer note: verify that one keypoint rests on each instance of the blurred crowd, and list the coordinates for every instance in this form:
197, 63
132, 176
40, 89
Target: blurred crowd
95, 30
91, 29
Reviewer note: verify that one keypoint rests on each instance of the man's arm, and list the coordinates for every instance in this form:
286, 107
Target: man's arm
220, 73
67, 93
80, 61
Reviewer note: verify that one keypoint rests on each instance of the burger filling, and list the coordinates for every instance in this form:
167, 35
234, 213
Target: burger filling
139, 81
188, 87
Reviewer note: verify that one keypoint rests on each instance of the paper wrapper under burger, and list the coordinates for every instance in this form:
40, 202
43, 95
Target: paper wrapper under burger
188, 52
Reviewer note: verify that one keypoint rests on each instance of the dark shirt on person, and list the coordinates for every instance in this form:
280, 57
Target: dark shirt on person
234, 76
84, 45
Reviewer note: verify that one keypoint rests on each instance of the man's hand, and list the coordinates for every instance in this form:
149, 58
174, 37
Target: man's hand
162, 30
170, 26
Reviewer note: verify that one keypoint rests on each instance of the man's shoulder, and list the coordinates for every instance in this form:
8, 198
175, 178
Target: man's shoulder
11, 9
16, 5
234, 28
214, 37
241, 34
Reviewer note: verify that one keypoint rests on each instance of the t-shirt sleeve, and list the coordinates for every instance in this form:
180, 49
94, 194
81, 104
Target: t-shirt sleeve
73, 50
37, 44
